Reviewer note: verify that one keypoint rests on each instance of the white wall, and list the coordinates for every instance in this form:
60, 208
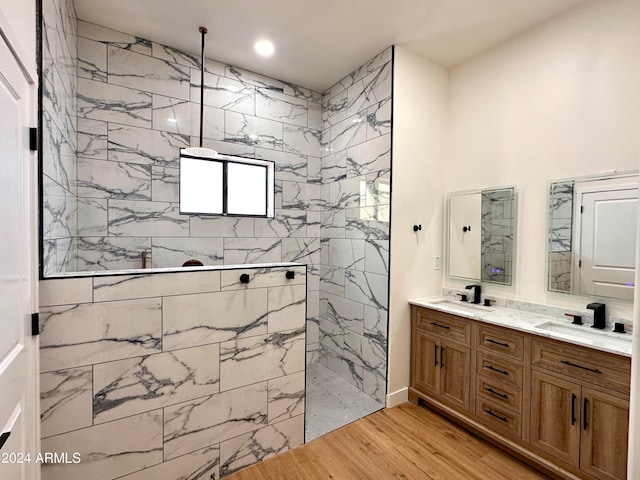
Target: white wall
18, 23
561, 100
419, 122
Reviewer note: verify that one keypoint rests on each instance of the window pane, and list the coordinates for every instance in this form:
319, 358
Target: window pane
200, 186
246, 189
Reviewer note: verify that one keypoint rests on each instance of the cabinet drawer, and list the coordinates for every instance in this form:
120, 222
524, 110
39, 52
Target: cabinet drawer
500, 341
502, 369
444, 324
500, 393
583, 364
499, 417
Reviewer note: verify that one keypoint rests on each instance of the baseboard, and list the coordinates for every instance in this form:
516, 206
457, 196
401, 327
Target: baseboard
397, 397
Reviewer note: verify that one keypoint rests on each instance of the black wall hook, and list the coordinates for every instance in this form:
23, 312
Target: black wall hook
417, 227
244, 278
466, 229
290, 275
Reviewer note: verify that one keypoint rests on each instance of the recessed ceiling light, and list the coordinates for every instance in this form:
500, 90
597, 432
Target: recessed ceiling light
264, 48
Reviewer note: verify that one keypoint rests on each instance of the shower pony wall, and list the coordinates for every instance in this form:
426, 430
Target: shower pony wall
116, 110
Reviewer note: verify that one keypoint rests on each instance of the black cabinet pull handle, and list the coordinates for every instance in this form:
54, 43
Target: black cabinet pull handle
491, 390
499, 417
491, 340
244, 278
441, 357
567, 362
584, 414
3, 438
435, 355
491, 367
440, 325
290, 275
573, 408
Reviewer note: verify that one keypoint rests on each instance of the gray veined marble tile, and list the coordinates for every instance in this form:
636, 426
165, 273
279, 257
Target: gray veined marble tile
173, 55
301, 250
77, 335
334, 167
173, 252
105, 452
331, 337
210, 420
335, 108
282, 108
246, 361
333, 223
288, 166
59, 215
111, 253
64, 291
92, 60
379, 119
118, 287
221, 227
92, 217
105, 179
286, 223
376, 323
254, 131
347, 193
315, 116
301, 140
286, 397
92, 139
314, 170
239, 251
141, 219
368, 222
113, 37
137, 145
346, 253
225, 148
135, 385
199, 465
301, 92
373, 88
378, 188
375, 386
264, 443
371, 156
65, 400
376, 259
286, 307
368, 288
251, 78
192, 320
294, 195
314, 223
183, 117
346, 313
134, 70
348, 133
112, 103
165, 184
223, 93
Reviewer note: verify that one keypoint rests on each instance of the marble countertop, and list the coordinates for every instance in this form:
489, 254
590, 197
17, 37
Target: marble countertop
534, 323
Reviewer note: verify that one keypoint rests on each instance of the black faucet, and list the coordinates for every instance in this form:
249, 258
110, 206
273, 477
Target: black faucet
598, 315
476, 292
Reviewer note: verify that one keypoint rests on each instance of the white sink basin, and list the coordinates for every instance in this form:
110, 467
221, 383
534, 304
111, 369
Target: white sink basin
587, 333
461, 307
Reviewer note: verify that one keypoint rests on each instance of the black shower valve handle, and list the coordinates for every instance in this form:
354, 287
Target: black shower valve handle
290, 274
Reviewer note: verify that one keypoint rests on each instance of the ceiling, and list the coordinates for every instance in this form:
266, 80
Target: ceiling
319, 42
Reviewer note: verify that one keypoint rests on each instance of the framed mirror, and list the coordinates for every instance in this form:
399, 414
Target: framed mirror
480, 241
591, 235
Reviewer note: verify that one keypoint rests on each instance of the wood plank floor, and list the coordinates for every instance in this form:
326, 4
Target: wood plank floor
405, 442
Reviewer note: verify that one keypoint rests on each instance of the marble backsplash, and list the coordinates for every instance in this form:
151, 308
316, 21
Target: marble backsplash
172, 375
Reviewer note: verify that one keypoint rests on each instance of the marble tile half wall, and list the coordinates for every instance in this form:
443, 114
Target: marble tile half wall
172, 375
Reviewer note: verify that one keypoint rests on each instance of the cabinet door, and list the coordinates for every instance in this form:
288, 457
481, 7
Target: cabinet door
426, 363
605, 423
455, 370
555, 417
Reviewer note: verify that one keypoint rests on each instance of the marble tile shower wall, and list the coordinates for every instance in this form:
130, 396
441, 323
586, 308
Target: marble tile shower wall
356, 168
560, 230
176, 375
59, 125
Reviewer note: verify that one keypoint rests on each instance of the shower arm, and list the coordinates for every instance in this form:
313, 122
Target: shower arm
203, 31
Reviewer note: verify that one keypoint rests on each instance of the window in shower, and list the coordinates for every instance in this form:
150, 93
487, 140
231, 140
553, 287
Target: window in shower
226, 186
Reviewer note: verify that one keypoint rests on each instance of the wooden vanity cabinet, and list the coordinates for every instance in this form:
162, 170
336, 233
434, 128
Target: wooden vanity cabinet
440, 365
572, 418
561, 407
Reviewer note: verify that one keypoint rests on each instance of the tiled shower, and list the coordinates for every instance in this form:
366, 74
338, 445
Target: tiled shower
112, 135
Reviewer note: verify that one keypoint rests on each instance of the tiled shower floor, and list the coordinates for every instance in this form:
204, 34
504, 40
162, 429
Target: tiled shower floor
332, 402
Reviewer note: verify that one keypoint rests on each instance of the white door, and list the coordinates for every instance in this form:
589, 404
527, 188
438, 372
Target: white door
608, 242
465, 214
18, 368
